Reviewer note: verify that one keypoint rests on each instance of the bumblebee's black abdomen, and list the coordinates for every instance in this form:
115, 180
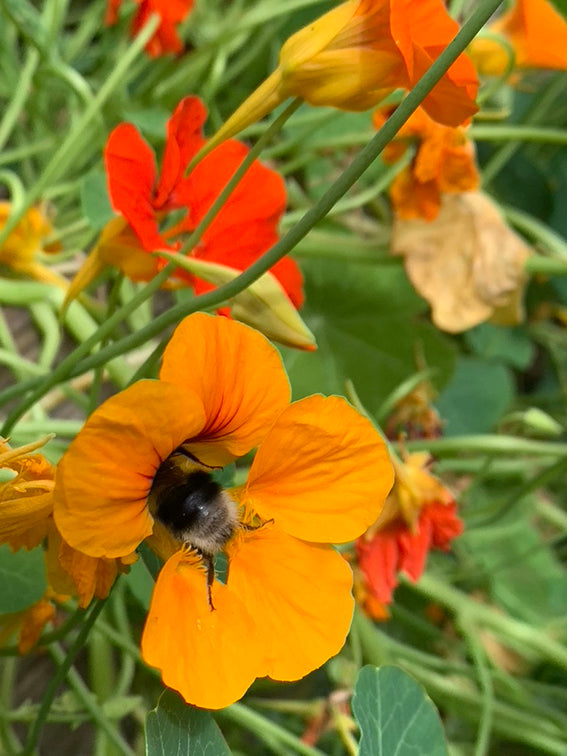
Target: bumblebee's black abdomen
188, 506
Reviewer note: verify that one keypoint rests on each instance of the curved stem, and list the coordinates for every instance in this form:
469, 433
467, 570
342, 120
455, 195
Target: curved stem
49, 695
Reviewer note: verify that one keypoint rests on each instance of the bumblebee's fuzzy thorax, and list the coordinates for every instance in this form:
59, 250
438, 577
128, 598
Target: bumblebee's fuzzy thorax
192, 506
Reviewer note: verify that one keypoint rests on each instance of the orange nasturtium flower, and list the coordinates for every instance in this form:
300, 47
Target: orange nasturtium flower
141, 467
536, 32
171, 12
244, 228
358, 53
420, 514
19, 250
26, 521
444, 163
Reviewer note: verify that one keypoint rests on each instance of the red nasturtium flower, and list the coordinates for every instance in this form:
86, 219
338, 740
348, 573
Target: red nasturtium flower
420, 514
319, 476
444, 163
171, 12
536, 32
358, 53
241, 232
26, 521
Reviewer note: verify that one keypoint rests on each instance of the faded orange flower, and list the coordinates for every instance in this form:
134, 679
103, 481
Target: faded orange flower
20, 249
444, 163
467, 263
535, 31
358, 53
420, 514
142, 468
26, 521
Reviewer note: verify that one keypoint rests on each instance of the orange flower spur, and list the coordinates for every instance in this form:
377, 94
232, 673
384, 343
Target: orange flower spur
143, 468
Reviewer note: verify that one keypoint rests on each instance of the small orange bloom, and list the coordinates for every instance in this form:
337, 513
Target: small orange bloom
19, 250
419, 515
536, 32
171, 12
444, 163
141, 468
26, 521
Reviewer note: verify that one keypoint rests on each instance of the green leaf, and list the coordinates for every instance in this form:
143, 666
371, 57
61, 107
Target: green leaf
22, 575
560, 6
369, 328
512, 346
95, 201
466, 405
174, 727
395, 715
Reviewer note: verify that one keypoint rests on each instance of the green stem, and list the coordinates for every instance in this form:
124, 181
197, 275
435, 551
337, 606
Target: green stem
540, 134
263, 728
21, 92
68, 150
488, 445
468, 610
485, 681
64, 667
536, 113
537, 231
88, 700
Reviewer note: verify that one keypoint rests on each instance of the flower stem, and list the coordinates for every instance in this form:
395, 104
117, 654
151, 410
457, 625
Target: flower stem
489, 444
70, 146
65, 665
86, 698
263, 728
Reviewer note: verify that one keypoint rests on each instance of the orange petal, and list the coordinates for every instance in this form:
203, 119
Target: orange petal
210, 657
237, 374
104, 478
299, 595
73, 573
322, 472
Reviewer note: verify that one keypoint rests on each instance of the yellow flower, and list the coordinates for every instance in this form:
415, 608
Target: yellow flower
19, 250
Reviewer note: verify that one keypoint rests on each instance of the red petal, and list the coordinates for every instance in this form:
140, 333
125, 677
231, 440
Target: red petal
184, 139
131, 172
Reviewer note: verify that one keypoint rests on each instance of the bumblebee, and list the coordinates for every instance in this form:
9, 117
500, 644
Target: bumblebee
194, 508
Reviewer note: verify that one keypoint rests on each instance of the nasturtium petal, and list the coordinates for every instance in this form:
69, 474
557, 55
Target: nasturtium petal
103, 480
239, 377
322, 472
184, 139
210, 657
131, 170
299, 595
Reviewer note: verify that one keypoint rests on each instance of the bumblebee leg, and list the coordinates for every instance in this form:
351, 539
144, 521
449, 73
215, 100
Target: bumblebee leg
208, 560
250, 528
